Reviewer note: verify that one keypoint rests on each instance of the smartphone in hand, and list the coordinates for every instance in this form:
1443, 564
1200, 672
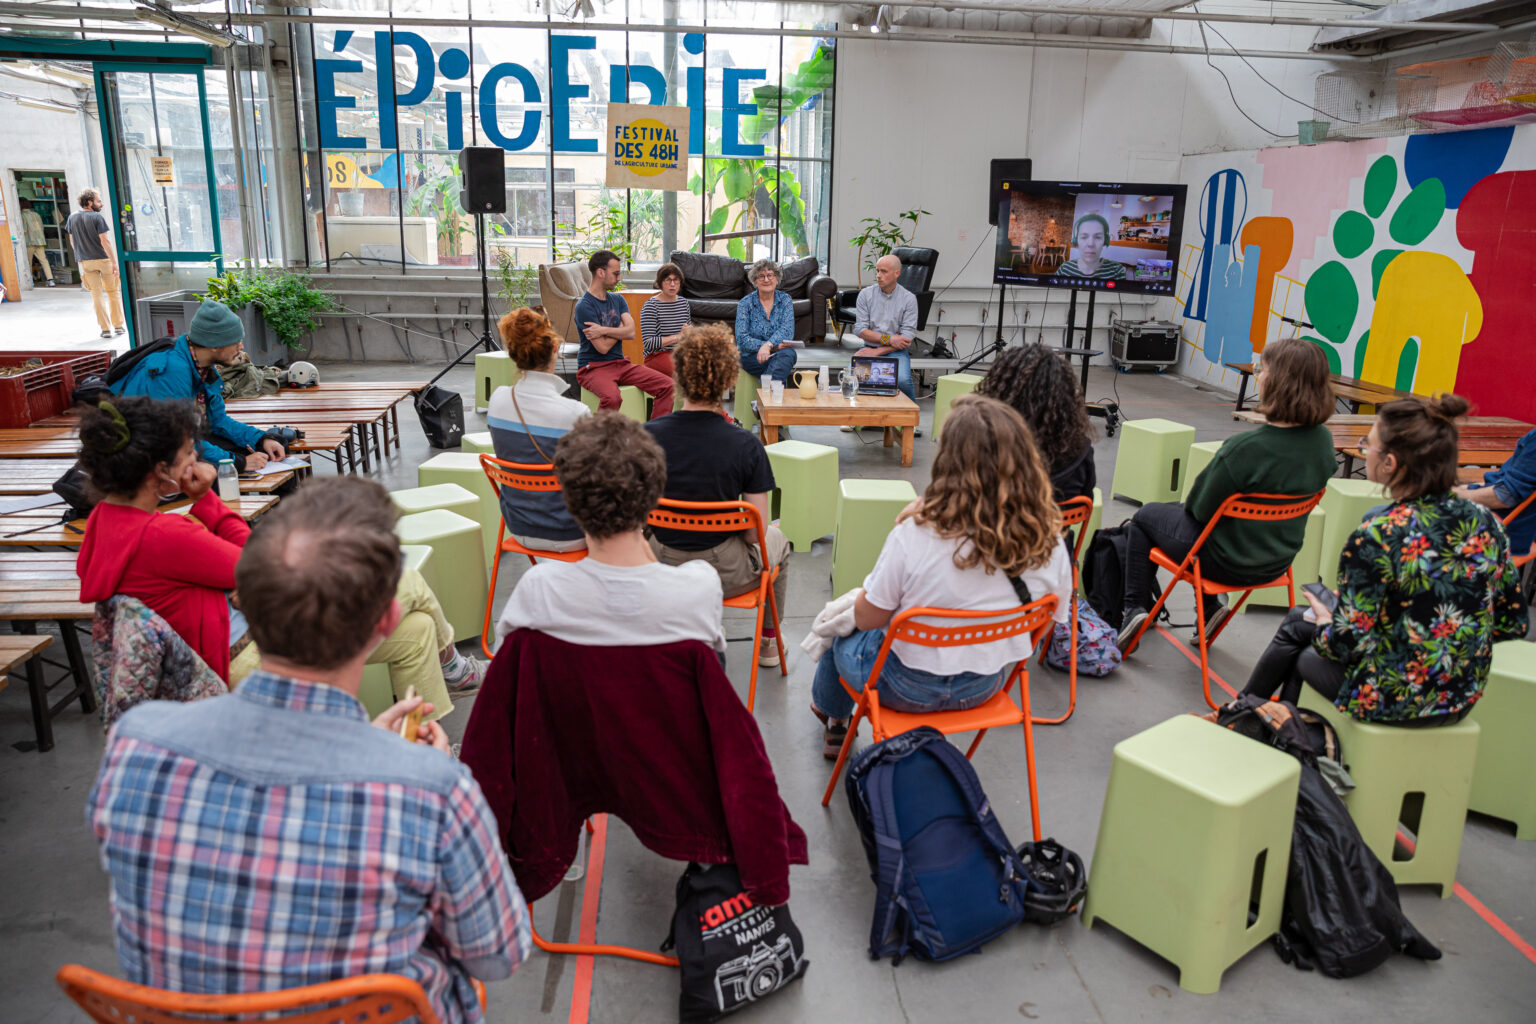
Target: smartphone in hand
1329, 599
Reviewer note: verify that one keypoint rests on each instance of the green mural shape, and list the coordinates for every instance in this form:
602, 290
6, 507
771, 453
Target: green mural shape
1378, 267
1360, 354
1418, 213
1380, 183
1328, 350
1332, 301
1352, 234
1407, 364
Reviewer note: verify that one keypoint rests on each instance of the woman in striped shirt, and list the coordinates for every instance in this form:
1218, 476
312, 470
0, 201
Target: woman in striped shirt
1091, 237
663, 318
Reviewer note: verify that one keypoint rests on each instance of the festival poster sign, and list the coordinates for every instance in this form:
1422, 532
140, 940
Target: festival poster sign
647, 147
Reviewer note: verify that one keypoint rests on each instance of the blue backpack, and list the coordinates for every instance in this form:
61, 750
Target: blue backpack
946, 878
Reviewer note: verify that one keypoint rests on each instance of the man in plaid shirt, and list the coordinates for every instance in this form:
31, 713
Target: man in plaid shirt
273, 837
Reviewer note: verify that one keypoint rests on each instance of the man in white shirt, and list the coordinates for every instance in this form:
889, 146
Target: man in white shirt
887, 320
612, 473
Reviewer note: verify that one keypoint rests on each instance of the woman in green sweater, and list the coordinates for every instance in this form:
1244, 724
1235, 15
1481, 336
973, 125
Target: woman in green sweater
1290, 454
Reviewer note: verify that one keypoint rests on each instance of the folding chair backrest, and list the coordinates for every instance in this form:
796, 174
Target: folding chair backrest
1261, 507
979, 626
369, 999
1514, 513
710, 517
520, 476
1075, 512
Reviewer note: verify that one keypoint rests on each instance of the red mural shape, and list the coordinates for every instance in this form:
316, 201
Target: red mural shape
1274, 237
1497, 221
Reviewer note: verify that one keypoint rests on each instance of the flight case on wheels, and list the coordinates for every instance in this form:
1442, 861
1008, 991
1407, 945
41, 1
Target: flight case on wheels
1153, 343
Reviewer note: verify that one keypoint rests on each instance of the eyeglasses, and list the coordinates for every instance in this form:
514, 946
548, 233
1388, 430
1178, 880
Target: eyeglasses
1362, 447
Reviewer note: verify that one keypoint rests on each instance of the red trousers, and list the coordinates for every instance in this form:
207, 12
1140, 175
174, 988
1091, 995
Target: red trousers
604, 380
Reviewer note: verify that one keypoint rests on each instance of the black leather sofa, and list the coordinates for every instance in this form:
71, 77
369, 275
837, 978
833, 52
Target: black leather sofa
715, 284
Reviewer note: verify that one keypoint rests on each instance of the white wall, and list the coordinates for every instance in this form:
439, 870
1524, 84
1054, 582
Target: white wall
42, 140
918, 123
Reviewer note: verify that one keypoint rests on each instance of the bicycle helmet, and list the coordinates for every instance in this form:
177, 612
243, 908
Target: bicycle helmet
301, 375
1057, 881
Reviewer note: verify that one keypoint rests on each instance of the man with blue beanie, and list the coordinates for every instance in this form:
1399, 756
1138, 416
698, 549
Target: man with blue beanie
187, 369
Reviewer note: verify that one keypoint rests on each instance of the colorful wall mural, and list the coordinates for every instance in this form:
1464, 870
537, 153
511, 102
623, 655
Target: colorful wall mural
1411, 261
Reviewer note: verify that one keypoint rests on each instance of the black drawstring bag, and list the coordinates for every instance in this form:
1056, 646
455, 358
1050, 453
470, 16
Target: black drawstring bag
442, 416
731, 952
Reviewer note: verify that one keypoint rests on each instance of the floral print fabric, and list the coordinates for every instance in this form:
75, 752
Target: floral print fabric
139, 657
1425, 589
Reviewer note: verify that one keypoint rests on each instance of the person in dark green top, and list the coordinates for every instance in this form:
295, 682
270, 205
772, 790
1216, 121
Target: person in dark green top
1426, 588
1291, 454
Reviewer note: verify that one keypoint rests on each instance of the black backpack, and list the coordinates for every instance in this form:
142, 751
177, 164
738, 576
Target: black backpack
730, 951
441, 412
1104, 574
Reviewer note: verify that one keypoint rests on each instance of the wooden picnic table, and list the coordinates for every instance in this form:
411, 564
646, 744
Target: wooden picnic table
41, 527
40, 587
36, 476
1487, 441
1353, 392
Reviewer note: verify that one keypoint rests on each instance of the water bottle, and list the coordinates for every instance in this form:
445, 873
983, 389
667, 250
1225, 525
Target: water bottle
229, 480
823, 378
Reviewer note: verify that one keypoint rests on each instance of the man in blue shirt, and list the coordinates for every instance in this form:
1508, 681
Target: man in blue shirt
604, 323
187, 370
1506, 488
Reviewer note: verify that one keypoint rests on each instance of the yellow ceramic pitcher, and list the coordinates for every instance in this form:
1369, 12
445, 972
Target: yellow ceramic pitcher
806, 381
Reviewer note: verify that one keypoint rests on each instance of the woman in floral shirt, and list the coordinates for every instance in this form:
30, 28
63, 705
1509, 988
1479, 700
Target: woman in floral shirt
1425, 588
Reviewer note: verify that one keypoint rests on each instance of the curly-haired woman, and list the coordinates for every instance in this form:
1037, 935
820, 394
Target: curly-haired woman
710, 459
1039, 385
986, 516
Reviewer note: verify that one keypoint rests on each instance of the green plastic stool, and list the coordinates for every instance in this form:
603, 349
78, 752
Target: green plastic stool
1345, 502
458, 564
866, 512
951, 386
806, 492
464, 469
1095, 521
424, 499
376, 693
746, 394
631, 402
1196, 829
1200, 455
1149, 464
477, 444
1432, 767
1506, 758
492, 370
1304, 567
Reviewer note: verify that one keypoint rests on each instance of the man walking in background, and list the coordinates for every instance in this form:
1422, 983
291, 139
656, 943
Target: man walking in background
91, 237
36, 241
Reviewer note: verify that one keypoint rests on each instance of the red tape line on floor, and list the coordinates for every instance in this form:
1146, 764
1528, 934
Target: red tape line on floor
1478, 907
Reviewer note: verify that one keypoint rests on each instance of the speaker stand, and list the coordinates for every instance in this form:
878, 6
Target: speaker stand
997, 343
487, 339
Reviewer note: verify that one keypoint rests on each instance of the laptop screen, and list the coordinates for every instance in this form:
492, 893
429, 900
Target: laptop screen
875, 371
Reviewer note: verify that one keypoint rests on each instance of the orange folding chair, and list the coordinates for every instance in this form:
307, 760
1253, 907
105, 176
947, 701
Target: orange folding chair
368, 999
725, 517
972, 627
1075, 512
1261, 507
536, 477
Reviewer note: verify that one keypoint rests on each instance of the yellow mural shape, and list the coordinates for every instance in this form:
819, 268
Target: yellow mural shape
1423, 295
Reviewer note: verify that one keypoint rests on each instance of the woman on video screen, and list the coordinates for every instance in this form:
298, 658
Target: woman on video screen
1091, 236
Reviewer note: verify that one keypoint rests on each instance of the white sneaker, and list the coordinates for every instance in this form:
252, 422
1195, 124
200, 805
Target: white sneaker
768, 653
464, 675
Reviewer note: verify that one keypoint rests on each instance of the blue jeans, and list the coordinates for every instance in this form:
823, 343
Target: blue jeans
901, 688
903, 371
778, 366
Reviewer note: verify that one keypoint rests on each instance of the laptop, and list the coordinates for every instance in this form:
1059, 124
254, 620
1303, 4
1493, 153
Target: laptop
876, 375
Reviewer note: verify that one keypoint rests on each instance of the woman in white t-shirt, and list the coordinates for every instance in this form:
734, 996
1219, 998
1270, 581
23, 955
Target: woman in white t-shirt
988, 515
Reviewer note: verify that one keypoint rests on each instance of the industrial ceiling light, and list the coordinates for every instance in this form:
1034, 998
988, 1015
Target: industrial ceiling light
57, 108
167, 18
883, 19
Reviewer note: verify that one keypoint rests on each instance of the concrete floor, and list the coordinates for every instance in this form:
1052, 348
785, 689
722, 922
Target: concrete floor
54, 318
56, 908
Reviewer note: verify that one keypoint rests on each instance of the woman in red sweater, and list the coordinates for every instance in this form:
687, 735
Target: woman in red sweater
182, 566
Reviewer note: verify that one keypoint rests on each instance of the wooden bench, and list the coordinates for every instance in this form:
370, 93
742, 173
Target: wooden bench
1244, 370
42, 527
37, 587
36, 476
1356, 393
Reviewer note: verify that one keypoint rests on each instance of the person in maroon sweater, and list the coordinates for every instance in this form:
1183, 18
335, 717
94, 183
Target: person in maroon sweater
182, 566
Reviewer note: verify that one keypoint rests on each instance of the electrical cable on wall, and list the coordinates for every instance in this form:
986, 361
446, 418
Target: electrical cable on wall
1238, 54
1206, 43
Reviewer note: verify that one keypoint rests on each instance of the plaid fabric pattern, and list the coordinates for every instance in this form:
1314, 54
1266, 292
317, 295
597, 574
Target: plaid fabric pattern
227, 883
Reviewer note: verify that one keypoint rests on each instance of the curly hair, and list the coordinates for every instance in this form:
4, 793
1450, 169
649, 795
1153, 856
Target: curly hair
528, 338
122, 440
704, 363
990, 487
1039, 385
611, 473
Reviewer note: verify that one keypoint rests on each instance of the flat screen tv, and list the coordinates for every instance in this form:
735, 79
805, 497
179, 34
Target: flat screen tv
1121, 237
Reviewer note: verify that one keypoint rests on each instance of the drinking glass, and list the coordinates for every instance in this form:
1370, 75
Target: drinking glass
848, 382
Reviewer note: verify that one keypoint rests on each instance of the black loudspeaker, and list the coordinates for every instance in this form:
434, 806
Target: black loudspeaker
1004, 170
483, 179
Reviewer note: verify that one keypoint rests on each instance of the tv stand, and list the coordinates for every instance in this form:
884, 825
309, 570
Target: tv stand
1108, 411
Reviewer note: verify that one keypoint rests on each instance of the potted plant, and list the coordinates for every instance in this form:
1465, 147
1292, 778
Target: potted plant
518, 286
879, 237
279, 306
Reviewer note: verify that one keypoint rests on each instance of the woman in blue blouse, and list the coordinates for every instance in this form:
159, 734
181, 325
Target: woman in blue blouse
765, 322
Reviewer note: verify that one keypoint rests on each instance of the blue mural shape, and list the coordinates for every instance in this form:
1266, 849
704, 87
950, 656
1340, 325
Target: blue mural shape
1459, 159
1229, 311
1223, 208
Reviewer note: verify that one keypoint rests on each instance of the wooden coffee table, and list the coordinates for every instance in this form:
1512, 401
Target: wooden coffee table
830, 408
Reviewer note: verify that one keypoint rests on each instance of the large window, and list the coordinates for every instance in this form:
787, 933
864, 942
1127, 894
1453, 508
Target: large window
385, 111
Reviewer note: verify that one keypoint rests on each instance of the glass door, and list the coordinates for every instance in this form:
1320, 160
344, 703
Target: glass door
163, 207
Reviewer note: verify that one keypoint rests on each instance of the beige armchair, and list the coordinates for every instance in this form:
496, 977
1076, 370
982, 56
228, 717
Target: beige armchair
560, 287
